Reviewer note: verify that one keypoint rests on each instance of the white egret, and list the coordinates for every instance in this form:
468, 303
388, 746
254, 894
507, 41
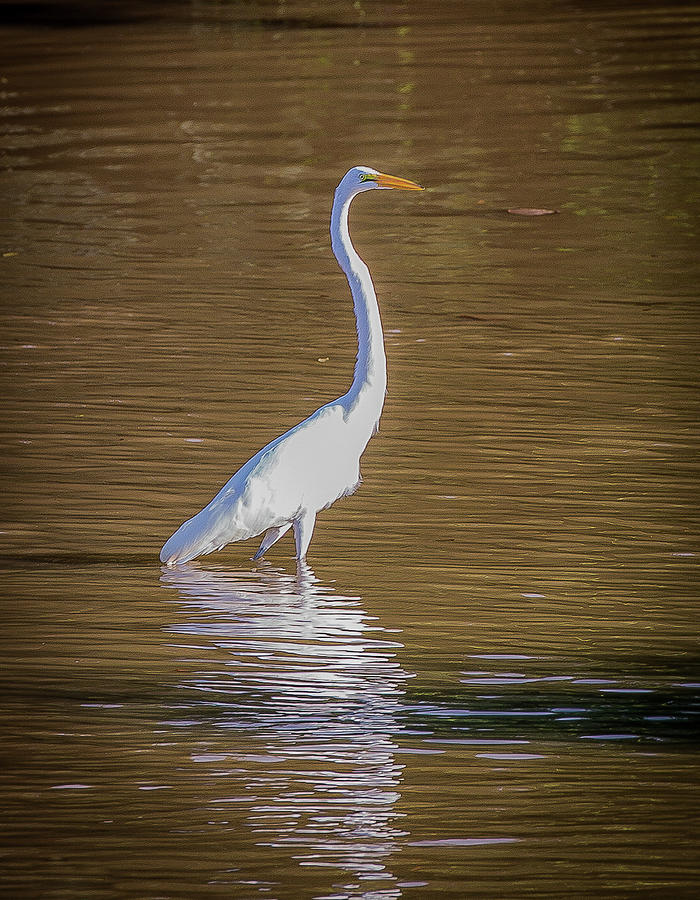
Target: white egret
311, 466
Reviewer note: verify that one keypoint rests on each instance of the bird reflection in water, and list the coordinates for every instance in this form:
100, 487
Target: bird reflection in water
309, 689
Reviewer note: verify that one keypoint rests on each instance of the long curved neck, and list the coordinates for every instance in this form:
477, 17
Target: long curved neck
369, 381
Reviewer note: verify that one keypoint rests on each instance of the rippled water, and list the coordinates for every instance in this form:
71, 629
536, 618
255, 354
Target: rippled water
487, 684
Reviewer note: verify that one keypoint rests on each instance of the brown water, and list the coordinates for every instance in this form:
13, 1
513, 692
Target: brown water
488, 684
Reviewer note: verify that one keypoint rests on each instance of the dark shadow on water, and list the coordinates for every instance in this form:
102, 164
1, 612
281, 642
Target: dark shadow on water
661, 715
77, 559
75, 14
68, 14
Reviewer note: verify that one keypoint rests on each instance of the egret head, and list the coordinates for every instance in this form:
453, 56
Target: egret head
362, 178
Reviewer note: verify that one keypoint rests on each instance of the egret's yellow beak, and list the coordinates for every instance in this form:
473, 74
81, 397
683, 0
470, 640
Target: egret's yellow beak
391, 181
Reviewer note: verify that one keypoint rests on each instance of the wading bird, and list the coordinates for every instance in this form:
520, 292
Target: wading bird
317, 462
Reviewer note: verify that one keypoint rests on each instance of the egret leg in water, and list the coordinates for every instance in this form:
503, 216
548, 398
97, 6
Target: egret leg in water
317, 462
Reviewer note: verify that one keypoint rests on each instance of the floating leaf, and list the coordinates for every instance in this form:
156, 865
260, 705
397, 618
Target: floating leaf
527, 211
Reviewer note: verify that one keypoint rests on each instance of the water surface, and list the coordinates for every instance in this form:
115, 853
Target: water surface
487, 683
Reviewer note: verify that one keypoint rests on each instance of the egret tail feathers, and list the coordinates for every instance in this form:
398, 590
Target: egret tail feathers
196, 537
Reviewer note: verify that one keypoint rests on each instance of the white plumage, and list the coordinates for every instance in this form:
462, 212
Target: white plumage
315, 463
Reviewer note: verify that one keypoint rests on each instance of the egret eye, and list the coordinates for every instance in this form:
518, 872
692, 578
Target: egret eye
368, 176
